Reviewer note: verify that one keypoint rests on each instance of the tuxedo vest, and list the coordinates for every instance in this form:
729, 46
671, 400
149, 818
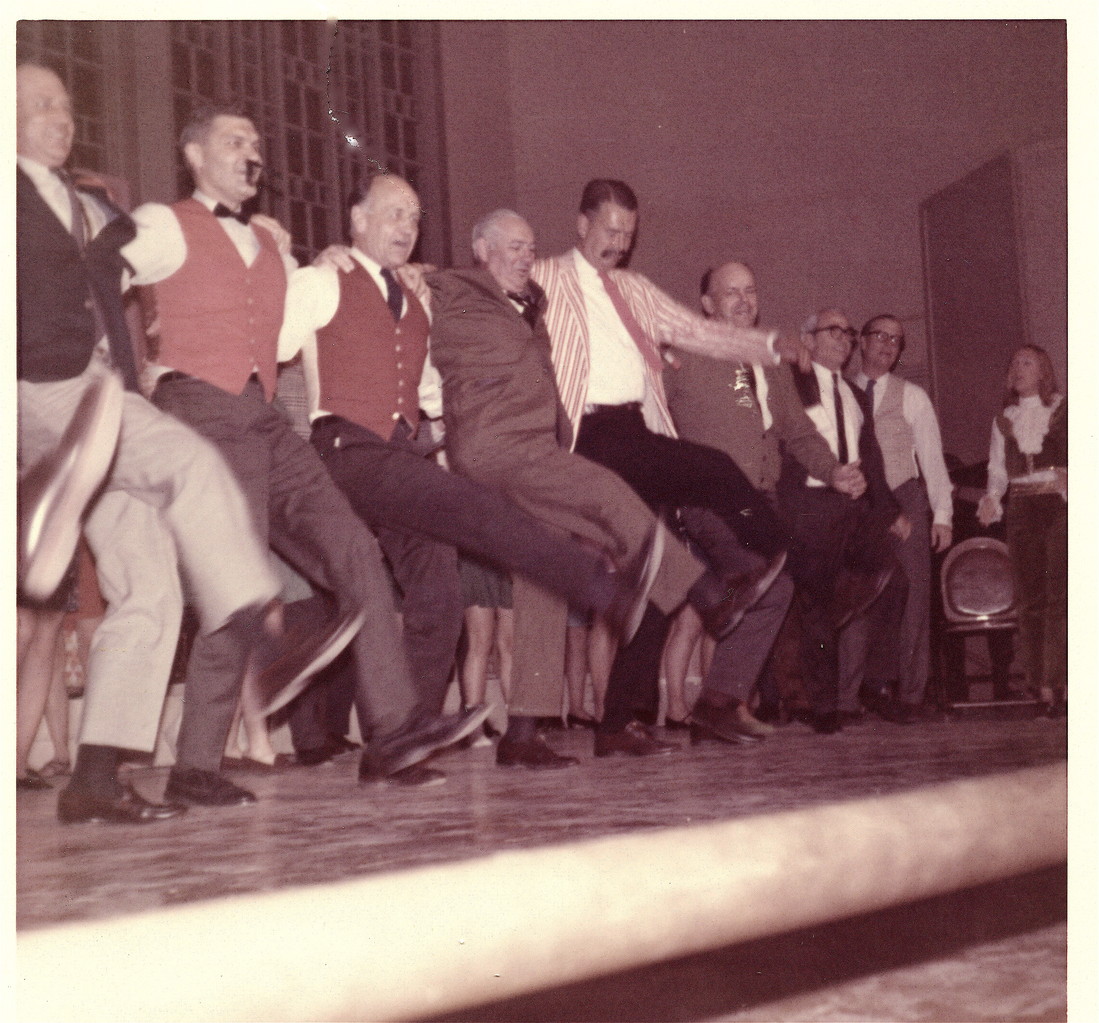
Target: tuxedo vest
56, 331
894, 433
368, 365
220, 319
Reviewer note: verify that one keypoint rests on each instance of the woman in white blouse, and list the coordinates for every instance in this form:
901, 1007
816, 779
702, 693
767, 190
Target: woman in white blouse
1028, 461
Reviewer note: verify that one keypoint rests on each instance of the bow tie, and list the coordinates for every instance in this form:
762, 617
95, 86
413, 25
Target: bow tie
222, 211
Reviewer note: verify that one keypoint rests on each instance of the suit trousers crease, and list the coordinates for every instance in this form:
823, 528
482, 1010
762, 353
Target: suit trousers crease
738, 658
306, 519
892, 641
169, 499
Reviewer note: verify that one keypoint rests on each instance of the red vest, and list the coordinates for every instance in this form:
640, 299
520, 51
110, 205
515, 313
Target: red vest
218, 317
368, 366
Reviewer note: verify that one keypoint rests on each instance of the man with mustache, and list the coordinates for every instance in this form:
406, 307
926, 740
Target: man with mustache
220, 285
607, 326
363, 335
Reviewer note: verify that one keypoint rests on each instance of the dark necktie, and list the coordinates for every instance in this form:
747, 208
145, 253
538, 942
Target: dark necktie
530, 310
122, 354
77, 228
870, 393
393, 296
222, 212
841, 428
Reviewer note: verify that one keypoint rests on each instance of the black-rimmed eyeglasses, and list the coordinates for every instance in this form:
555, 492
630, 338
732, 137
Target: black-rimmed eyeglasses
837, 333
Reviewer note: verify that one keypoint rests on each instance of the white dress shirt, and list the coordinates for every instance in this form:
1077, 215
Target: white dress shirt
617, 370
824, 417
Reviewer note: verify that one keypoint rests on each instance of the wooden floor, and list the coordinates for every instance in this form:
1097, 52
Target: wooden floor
996, 953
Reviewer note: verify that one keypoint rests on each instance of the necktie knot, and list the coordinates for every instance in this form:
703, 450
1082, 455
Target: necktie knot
222, 212
530, 311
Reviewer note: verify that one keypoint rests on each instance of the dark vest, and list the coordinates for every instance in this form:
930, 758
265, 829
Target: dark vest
56, 325
1054, 451
368, 366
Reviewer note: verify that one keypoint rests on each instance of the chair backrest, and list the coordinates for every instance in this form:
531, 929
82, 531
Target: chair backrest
977, 585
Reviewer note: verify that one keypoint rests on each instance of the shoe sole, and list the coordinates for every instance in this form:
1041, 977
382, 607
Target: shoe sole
421, 752
52, 532
653, 559
337, 643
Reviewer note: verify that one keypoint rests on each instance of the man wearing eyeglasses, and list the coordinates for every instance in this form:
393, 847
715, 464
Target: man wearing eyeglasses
907, 431
842, 556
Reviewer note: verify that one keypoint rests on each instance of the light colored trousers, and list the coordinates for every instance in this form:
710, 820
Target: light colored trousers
169, 504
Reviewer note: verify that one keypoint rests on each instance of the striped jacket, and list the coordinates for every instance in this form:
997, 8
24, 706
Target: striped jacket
664, 321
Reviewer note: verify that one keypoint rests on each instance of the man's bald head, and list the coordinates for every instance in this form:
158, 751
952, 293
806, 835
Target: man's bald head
44, 118
385, 221
729, 294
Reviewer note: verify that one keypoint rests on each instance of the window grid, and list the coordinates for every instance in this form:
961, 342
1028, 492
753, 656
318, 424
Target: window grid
74, 49
323, 130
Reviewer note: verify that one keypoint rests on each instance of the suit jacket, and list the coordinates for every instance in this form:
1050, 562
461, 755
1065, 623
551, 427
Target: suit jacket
706, 410
500, 399
878, 503
663, 321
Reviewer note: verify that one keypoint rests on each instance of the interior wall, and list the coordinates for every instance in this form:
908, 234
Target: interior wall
804, 147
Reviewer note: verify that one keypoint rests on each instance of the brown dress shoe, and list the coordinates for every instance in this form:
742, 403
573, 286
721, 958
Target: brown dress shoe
724, 724
280, 668
635, 740
742, 592
534, 754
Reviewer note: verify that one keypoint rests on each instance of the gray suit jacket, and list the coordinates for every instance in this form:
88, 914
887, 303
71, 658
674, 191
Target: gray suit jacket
701, 394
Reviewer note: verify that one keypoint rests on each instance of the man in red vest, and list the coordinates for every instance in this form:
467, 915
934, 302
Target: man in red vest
220, 286
363, 337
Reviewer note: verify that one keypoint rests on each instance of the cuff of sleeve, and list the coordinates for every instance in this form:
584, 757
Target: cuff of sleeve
772, 337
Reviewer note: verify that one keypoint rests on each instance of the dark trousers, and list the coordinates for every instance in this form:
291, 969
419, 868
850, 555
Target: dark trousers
1037, 535
830, 532
668, 473
301, 513
421, 513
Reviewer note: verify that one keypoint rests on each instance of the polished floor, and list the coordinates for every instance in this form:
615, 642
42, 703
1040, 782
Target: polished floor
994, 953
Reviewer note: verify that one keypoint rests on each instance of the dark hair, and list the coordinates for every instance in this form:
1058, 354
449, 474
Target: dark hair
868, 326
704, 284
1047, 379
601, 190
202, 118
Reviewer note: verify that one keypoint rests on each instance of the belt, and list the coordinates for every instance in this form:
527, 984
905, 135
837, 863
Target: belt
626, 406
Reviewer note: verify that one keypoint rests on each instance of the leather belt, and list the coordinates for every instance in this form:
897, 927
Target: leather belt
627, 406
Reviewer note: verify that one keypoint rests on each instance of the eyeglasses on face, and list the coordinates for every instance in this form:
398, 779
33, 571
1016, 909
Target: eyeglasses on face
885, 338
837, 333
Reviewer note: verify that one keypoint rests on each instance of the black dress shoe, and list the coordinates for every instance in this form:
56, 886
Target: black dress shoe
769, 713
723, 724
676, 725
32, 781
827, 723
253, 766
742, 592
417, 741
576, 721
206, 788
280, 668
533, 754
635, 740
54, 492
854, 592
418, 776
78, 806
315, 756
